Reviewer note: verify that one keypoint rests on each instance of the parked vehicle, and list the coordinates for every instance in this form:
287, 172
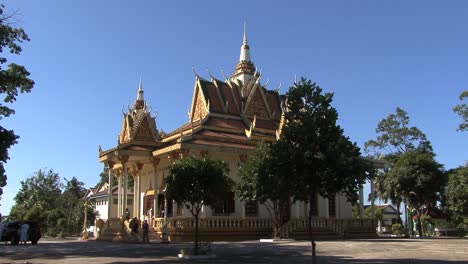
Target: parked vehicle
12, 231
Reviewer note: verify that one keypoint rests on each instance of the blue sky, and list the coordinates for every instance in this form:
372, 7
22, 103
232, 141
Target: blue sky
87, 57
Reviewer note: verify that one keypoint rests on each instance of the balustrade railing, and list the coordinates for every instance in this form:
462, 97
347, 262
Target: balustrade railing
338, 226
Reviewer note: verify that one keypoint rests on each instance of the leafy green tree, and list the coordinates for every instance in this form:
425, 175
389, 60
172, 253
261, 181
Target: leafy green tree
374, 210
264, 178
457, 195
462, 111
40, 192
198, 182
395, 137
13, 80
419, 179
71, 198
322, 159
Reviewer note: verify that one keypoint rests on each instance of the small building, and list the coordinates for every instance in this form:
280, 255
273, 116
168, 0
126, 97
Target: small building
99, 199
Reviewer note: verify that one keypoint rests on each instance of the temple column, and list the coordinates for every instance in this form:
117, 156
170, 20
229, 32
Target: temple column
361, 202
136, 190
119, 195
124, 193
156, 209
110, 165
123, 185
136, 179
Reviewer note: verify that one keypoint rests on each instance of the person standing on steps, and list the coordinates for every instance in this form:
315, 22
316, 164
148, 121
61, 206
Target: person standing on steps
145, 232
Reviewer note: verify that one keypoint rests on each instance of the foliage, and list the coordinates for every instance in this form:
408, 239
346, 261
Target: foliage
457, 194
397, 229
378, 213
419, 178
265, 178
72, 202
462, 111
323, 160
13, 80
395, 137
316, 157
198, 182
41, 199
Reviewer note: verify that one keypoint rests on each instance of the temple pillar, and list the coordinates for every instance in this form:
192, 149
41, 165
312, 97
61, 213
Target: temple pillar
124, 193
119, 195
156, 208
136, 190
110, 165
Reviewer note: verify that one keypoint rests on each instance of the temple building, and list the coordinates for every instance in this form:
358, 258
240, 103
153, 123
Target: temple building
227, 119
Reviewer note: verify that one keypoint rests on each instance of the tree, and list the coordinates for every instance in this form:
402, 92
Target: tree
71, 198
394, 138
419, 179
323, 160
374, 210
198, 182
39, 193
264, 179
13, 80
457, 195
462, 111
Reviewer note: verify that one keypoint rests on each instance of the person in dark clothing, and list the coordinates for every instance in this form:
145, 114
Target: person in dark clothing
134, 225
145, 232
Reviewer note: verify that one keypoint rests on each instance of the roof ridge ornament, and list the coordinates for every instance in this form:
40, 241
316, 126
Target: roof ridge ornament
245, 49
196, 74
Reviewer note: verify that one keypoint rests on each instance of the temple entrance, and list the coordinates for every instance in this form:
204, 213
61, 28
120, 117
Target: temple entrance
148, 205
161, 206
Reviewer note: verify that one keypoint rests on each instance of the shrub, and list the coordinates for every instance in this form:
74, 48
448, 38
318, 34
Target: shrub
397, 229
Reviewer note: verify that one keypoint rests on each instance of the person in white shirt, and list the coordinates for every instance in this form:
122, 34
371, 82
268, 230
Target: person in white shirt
24, 233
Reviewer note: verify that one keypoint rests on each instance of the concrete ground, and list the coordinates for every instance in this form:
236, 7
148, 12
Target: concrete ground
383, 251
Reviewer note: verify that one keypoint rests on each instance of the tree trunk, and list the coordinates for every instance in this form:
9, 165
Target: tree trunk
398, 211
195, 250
309, 224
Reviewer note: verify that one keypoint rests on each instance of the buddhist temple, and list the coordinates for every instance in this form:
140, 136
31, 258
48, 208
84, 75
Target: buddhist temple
227, 119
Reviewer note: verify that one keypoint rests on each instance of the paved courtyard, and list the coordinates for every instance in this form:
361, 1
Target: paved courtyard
383, 251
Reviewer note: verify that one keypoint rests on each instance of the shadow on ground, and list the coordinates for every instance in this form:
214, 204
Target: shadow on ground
119, 253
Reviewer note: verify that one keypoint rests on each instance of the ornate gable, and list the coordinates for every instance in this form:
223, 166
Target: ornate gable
256, 105
138, 123
200, 107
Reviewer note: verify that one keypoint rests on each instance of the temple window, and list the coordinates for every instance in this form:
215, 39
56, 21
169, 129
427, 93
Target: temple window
227, 206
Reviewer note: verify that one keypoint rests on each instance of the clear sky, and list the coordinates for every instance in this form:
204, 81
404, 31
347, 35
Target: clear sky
87, 57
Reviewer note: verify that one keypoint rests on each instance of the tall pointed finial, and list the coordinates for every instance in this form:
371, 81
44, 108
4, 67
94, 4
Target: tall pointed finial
245, 49
245, 34
140, 92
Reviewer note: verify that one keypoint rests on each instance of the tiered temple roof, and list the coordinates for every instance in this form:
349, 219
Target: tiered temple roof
235, 113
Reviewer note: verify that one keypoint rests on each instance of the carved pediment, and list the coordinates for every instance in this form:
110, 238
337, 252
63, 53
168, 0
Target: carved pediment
256, 105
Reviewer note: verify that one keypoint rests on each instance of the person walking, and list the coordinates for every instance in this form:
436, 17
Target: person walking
145, 232
24, 233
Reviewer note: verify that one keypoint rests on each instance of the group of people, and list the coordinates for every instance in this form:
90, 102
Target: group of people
23, 232
134, 225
